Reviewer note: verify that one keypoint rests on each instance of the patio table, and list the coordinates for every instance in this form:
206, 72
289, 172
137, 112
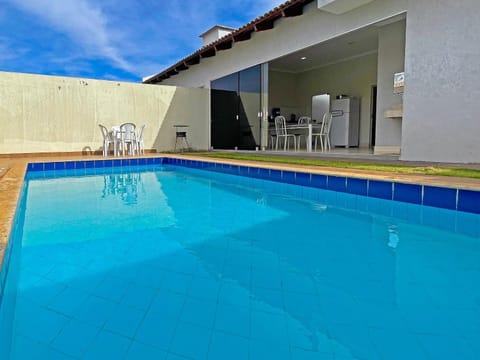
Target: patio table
294, 128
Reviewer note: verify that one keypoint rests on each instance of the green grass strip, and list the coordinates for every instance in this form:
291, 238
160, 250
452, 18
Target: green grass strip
396, 169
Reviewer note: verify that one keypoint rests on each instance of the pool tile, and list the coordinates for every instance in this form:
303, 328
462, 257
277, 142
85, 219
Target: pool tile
302, 179
389, 347
410, 193
63, 272
138, 296
67, 301
469, 201
337, 183
198, 312
111, 288
35, 166
124, 320
60, 165
94, 311
37, 322
269, 327
48, 166
446, 347
243, 170
288, 176
191, 341
302, 354
469, 224
90, 164
157, 329
298, 282
204, 288
380, 189
43, 291
440, 197
260, 350
357, 186
171, 356
233, 320
266, 277
166, 302
267, 300
264, 174
425, 319
75, 338
24, 348
233, 294
139, 351
358, 340
108, 346
176, 282
275, 175
225, 346
319, 181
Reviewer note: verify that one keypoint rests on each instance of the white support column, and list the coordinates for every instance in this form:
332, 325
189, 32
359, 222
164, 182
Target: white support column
264, 107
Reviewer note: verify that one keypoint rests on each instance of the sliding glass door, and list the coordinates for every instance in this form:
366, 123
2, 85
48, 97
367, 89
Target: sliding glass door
236, 110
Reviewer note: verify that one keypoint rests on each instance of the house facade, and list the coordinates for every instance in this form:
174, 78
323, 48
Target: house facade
348, 48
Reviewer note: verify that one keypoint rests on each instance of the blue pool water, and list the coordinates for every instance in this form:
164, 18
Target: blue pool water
168, 262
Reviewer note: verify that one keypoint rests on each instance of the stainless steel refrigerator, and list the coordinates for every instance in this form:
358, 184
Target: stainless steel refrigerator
320, 105
345, 122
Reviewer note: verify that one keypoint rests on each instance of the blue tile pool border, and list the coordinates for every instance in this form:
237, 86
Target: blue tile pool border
435, 196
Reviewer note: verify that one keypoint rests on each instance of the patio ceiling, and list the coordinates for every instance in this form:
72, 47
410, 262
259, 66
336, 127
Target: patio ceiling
331, 51
344, 47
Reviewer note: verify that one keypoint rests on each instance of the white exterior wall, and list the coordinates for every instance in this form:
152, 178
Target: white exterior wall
288, 35
442, 82
391, 60
59, 114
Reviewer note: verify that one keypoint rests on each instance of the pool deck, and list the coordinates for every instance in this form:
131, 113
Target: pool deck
12, 174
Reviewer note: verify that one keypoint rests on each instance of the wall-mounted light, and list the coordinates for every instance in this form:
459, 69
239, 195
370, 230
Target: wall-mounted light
303, 58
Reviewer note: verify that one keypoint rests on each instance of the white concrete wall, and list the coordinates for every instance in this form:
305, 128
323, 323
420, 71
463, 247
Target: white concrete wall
442, 81
288, 35
283, 93
59, 114
391, 60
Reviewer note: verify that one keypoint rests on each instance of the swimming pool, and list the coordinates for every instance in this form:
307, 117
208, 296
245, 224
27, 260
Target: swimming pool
165, 261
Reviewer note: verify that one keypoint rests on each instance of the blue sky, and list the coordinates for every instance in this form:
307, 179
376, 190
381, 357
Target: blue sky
111, 39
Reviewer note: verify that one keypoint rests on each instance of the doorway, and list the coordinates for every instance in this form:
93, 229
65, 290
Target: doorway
373, 116
236, 108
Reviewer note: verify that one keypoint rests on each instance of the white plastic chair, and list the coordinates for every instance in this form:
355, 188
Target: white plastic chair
140, 144
281, 132
303, 120
324, 134
128, 138
107, 139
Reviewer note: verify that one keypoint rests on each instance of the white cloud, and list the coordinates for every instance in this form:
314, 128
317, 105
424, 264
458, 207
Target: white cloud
84, 23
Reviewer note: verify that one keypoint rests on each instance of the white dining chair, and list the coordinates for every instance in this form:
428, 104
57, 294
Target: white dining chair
324, 134
107, 139
128, 138
139, 137
281, 133
303, 120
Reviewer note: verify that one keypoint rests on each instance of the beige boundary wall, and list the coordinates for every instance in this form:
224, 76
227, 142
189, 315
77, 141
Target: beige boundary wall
41, 113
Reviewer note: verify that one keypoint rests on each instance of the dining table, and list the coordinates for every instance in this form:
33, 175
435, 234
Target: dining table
302, 129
